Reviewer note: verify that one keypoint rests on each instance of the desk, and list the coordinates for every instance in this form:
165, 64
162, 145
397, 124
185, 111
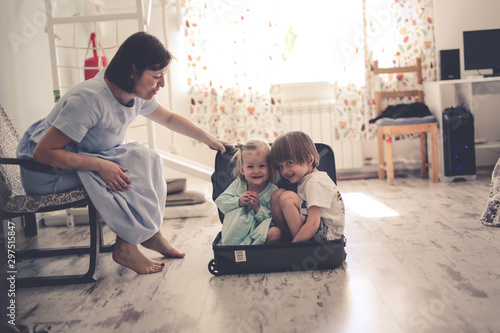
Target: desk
478, 94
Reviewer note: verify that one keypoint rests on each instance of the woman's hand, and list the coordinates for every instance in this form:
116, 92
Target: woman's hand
50, 150
114, 175
216, 144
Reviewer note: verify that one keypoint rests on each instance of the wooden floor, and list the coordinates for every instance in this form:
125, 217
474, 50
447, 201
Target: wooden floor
425, 265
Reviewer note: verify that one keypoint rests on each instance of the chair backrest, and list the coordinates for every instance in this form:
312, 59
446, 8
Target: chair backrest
224, 165
10, 177
417, 72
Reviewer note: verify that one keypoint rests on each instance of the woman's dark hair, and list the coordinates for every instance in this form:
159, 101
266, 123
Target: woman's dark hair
142, 50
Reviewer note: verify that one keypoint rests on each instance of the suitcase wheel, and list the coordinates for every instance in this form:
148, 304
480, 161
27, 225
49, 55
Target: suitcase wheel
216, 267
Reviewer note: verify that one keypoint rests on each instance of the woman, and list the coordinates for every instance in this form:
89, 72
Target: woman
81, 143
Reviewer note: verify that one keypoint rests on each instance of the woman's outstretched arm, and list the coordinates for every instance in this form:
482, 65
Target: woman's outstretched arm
184, 126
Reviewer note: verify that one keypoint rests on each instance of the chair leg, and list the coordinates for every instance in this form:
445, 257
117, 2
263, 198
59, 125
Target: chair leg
30, 227
435, 159
93, 250
423, 155
381, 162
103, 248
389, 160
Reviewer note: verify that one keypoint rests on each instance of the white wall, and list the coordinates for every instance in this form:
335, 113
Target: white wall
451, 19
25, 84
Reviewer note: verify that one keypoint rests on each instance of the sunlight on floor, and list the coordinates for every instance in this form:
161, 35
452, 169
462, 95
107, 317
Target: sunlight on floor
366, 206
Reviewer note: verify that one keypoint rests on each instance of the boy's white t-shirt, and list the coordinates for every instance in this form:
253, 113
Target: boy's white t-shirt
318, 189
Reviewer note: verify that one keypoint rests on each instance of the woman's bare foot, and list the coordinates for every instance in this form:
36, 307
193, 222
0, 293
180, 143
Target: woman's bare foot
161, 245
128, 255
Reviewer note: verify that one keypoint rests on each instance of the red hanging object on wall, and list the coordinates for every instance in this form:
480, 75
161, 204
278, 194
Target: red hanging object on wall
94, 61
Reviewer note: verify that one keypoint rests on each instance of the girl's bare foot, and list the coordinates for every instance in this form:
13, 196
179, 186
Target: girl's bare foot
161, 245
128, 255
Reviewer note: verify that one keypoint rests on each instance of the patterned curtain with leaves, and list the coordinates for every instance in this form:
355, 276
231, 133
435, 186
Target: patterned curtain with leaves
234, 49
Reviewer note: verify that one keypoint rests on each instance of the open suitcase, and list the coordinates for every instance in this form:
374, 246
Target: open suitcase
282, 257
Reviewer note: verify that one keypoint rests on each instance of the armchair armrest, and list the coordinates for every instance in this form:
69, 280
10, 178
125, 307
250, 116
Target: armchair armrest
28, 162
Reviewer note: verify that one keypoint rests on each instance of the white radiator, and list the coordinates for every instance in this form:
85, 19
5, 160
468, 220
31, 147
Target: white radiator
317, 118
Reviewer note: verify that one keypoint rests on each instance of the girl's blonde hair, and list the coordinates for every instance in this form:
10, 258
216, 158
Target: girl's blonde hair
253, 146
293, 146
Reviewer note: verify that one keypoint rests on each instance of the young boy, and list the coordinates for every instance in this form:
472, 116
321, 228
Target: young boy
316, 211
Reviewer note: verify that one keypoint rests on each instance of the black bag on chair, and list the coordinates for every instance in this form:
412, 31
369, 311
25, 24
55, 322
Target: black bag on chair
416, 109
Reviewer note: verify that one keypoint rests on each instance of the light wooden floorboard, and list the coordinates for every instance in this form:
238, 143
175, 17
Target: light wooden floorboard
432, 268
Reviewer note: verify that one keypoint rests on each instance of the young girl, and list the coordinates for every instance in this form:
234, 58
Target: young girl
316, 210
246, 202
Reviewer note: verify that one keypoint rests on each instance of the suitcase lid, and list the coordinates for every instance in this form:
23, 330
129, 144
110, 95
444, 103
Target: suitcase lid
224, 165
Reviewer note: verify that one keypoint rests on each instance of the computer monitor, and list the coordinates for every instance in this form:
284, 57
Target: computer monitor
482, 50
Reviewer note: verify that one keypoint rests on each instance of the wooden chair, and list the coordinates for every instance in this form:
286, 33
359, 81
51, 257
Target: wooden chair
385, 133
15, 202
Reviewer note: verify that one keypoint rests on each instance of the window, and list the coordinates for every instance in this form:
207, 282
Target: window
320, 40
328, 42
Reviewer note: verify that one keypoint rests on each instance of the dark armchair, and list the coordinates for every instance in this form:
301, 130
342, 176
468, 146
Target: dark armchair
14, 202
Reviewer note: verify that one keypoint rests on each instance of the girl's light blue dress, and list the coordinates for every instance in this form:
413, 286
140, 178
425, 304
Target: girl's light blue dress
97, 125
242, 226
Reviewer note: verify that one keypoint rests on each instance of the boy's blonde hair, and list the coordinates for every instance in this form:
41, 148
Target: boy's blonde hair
253, 146
293, 146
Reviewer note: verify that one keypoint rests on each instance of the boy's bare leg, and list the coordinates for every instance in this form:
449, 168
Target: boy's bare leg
278, 217
290, 205
273, 235
128, 255
161, 245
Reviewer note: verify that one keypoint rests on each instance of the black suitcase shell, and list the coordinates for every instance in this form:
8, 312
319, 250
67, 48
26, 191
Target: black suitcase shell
281, 257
